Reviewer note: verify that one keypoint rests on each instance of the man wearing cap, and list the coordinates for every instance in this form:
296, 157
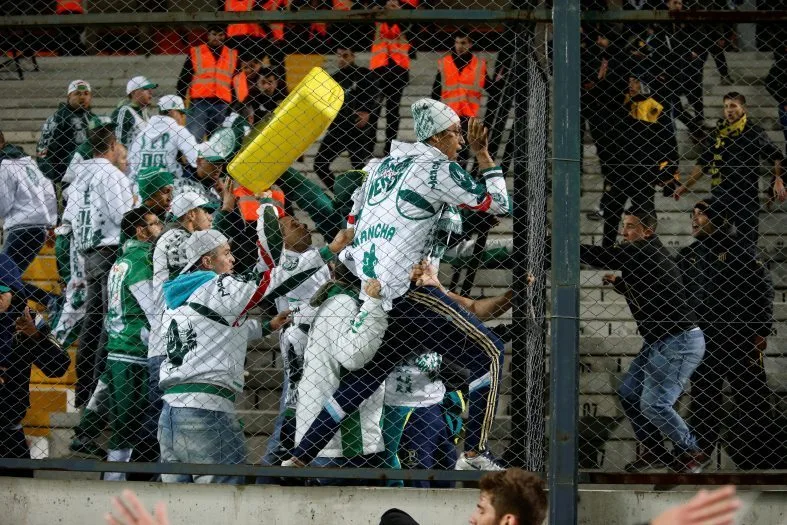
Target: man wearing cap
64, 131
206, 79
164, 140
28, 209
207, 307
155, 186
109, 193
731, 292
132, 115
24, 341
192, 212
398, 208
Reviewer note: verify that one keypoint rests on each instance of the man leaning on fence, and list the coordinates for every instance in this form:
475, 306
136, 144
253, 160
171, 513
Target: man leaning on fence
398, 208
673, 343
206, 326
731, 292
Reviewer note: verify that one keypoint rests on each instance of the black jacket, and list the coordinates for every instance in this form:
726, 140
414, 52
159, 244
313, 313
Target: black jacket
728, 286
776, 82
737, 180
17, 355
651, 283
361, 92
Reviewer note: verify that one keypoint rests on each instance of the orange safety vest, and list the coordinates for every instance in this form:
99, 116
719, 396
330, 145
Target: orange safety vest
69, 7
240, 84
461, 90
211, 78
277, 29
248, 204
247, 29
390, 42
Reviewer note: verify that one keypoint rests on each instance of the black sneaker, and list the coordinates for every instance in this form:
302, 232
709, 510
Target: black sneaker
87, 448
594, 215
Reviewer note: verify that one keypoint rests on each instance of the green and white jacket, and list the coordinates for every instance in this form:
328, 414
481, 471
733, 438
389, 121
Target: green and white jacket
130, 120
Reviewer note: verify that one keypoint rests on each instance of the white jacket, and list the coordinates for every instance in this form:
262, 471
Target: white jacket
27, 198
398, 208
342, 337
206, 338
111, 195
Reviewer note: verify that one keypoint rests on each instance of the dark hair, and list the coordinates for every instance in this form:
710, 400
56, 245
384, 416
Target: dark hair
134, 219
101, 139
463, 34
265, 72
516, 492
734, 95
647, 218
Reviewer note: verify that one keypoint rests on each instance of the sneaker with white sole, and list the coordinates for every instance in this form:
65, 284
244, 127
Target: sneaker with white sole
484, 461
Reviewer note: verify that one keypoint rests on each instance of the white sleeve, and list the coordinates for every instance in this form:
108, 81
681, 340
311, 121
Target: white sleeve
360, 339
119, 196
254, 326
8, 186
143, 293
282, 280
187, 145
458, 187
73, 168
50, 200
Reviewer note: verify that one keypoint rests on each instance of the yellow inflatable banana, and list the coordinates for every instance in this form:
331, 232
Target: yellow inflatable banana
298, 121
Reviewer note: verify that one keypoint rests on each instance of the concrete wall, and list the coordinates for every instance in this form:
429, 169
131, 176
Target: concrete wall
70, 502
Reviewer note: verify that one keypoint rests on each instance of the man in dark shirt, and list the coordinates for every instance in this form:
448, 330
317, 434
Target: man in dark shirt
732, 159
25, 340
352, 130
673, 344
731, 293
267, 93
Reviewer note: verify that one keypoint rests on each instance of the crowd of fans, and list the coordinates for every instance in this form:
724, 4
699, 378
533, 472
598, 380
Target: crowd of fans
172, 269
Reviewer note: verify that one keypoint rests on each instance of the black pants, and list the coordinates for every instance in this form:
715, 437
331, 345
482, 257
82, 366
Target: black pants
617, 190
734, 359
14, 446
392, 80
691, 87
344, 135
91, 353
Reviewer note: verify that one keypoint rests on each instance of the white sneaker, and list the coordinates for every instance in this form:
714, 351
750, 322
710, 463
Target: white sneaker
290, 463
484, 461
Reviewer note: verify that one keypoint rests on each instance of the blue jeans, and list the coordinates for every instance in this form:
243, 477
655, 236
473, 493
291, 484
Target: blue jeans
22, 244
155, 403
277, 449
783, 118
195, 435
205, 117
654, 382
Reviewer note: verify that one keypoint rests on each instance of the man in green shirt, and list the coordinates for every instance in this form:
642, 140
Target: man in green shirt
130, 308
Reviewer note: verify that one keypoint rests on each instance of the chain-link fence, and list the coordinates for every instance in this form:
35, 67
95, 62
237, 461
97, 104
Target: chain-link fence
177, 205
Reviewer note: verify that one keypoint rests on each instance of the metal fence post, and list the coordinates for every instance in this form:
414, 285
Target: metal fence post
565, 266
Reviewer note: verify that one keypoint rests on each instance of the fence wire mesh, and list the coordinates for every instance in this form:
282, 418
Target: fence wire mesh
265, 243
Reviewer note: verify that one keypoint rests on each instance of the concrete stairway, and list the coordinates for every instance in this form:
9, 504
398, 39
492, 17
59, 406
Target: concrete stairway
609, 339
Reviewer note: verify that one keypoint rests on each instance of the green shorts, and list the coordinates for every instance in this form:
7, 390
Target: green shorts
128, 393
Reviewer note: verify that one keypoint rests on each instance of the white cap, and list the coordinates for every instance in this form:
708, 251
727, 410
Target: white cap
78, 85
169, 102
200, 243
139, 82
431, 117
187, 201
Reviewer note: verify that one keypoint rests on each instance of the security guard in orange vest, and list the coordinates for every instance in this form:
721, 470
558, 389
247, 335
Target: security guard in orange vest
390, 60
460, 81
206, 79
